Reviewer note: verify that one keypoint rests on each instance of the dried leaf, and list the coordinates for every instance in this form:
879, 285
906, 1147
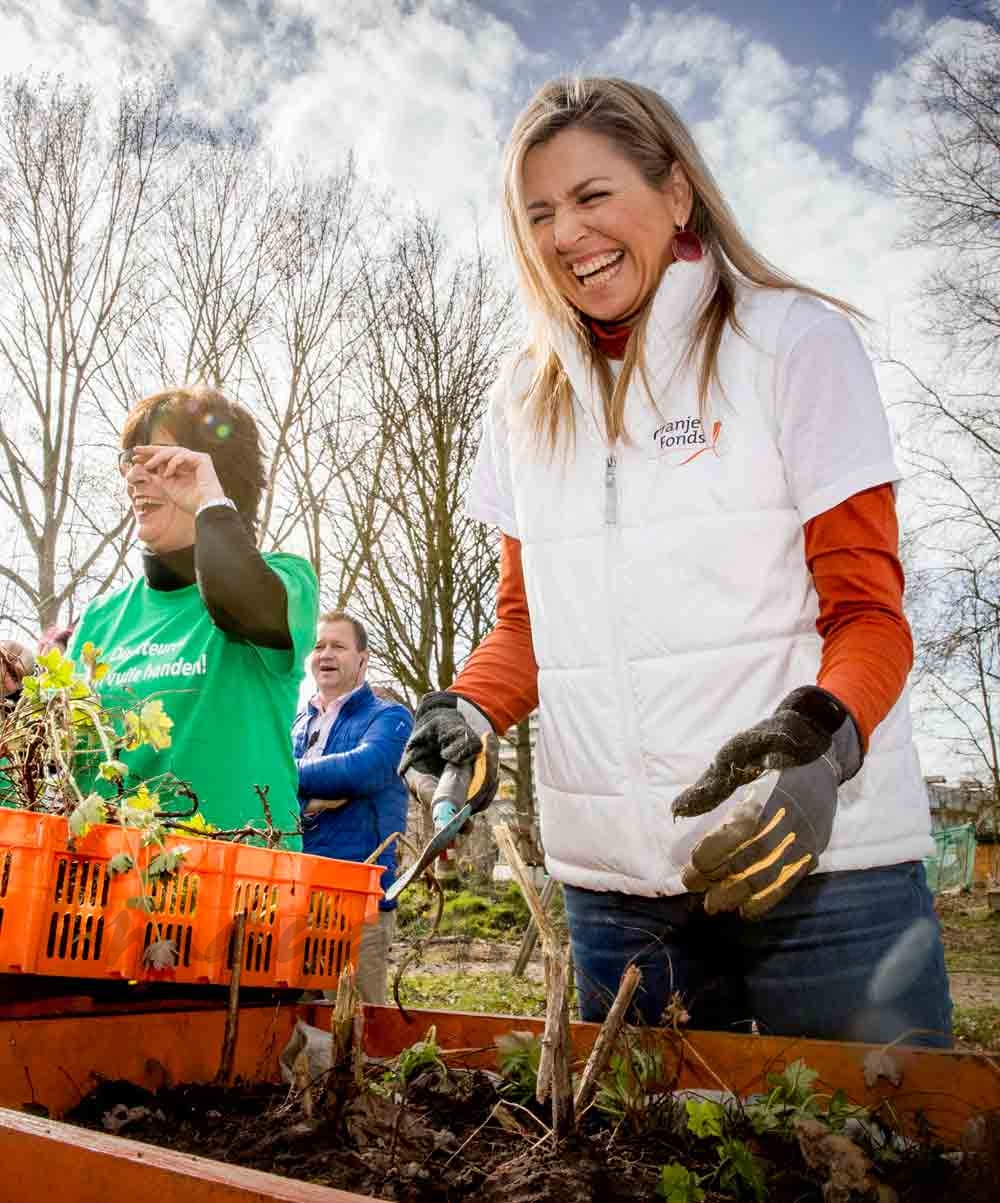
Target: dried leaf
879, 1064
162, 954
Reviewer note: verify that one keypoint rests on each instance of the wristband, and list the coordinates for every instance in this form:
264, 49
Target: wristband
226, 501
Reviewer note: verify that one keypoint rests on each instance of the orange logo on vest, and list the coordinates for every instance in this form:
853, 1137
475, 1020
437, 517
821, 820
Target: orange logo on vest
713, 446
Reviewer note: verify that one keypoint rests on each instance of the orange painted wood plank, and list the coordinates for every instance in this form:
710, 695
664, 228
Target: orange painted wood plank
946, 1087
51, 1061
43, 1159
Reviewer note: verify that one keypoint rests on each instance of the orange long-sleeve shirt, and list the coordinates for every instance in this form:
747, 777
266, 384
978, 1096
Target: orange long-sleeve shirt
852, 553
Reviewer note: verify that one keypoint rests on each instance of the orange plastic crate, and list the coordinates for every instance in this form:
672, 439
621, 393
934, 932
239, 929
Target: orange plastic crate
63, 912
25, 861
93, 927
304, 915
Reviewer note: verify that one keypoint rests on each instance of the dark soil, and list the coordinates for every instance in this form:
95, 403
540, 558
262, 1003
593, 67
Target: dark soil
444, 1143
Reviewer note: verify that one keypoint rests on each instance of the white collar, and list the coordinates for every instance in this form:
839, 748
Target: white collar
680, 297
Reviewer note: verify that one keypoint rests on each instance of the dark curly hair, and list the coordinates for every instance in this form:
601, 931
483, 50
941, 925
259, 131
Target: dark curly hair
204, 419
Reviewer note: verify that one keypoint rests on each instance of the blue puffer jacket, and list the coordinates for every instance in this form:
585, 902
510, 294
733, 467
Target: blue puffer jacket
362, 751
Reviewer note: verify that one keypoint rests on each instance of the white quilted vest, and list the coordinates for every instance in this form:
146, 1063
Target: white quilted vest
671, 607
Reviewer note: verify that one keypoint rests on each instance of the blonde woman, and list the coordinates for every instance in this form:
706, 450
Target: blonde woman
693, 477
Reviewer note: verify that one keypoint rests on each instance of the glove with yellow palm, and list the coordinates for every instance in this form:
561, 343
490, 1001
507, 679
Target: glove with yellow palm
773, 838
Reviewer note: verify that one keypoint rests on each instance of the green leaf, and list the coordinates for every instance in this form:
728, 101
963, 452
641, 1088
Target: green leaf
122, 863
519, 1055
705, 1118
795, 1083
739, 1165
679, 1185
165, 863
150, 725
841, 1109
85, 814
113, 770
58, 672
633, 1088
424, 1054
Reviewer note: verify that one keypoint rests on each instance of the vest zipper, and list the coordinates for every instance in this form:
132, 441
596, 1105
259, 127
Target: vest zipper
634, 785
610, 491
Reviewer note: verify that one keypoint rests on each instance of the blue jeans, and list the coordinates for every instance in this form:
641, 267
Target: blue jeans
846, 956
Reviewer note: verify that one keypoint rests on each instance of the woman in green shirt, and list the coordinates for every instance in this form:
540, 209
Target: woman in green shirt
214, 628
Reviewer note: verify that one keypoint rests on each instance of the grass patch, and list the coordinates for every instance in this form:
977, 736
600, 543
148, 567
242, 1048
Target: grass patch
978, 1025
964, 961
480, 912
497, 993
971, 920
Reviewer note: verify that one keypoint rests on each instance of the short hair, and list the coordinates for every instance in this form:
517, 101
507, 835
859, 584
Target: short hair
360, 634
204, 419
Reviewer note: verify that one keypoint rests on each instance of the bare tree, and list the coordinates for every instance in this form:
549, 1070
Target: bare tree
960, 663
79, 189
949, 180
422, 574
299, 369
253, 279
214, 270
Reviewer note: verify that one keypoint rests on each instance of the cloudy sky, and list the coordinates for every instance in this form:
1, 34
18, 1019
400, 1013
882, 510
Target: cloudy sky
791, 102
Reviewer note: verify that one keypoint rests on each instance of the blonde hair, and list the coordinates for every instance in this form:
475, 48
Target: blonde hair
649, 132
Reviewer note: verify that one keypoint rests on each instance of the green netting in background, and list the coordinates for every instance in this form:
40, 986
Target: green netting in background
954, 860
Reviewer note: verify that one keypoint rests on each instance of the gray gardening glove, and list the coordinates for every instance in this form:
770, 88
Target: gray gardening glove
449, 729
770, 841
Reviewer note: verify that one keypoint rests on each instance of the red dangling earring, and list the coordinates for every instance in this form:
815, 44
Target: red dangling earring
687, 245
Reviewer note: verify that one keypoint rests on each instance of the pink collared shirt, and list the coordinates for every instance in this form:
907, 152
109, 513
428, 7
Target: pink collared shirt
321, 722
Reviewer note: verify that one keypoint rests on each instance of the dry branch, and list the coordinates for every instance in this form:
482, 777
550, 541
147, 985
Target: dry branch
554, 1076
530, 938
604, 1045
347, 1033
342, 1020
233, 1009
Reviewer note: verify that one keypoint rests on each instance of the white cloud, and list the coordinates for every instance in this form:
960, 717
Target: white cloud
422, 93
48, 35
419, 97
831, 106
829, 113
892, 118
905, 24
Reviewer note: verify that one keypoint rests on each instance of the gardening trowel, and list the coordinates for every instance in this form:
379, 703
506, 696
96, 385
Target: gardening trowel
450, 813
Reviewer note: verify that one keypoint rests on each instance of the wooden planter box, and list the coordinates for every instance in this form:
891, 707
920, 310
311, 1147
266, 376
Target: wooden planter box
47, 1061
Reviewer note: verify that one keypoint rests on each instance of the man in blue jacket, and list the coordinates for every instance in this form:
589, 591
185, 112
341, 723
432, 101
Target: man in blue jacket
347, 744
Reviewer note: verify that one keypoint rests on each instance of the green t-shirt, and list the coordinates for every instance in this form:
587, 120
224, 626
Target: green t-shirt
232, 703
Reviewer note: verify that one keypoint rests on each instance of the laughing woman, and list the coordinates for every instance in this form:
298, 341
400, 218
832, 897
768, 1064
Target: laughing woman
214, 628
694, 482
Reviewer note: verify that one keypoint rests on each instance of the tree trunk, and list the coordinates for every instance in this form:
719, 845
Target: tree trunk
524, 799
